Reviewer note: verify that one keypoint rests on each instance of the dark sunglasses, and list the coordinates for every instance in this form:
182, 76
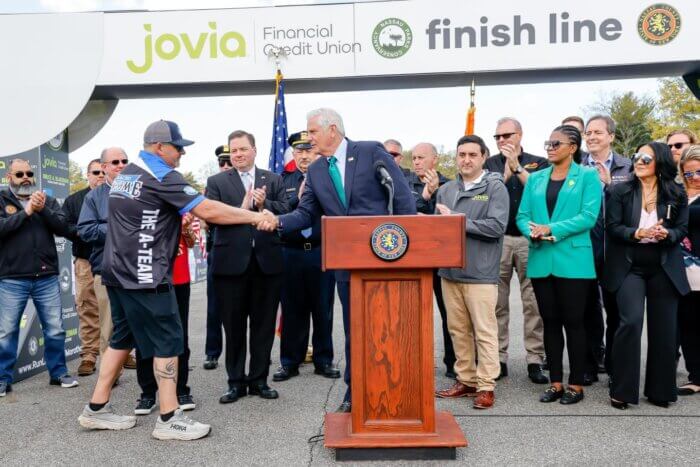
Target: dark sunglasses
503, 136
225, 162
97, 173
117, 161
554, 144
21, 174
677, 145
645, 159
179, 149
690, 175
395, 154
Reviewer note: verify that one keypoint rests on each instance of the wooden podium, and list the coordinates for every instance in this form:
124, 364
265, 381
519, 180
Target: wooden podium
391, 301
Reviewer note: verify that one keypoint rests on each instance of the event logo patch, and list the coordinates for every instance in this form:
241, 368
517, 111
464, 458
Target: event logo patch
33, 346
127, 186
392, 38
389, 242
659, 24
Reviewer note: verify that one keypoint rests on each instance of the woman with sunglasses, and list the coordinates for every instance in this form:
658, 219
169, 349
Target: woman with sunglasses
647, 218
560, 206
689, 310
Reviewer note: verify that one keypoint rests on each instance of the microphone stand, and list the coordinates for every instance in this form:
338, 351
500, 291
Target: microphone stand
389, 186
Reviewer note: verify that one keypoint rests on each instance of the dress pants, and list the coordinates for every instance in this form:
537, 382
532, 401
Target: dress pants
612, 322
307, 293
650, 284
514, 256
214, 342
144, 366
250, 296
562, 303
595, 329
344, 295
449, 358
689, 324
88, 312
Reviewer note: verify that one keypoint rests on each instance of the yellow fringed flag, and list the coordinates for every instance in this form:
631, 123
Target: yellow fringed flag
469, 130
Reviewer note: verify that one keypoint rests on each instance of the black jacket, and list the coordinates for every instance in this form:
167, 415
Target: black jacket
417, 186
233, 244
27, 244
71, 210
623, 210
292, 182
694, 226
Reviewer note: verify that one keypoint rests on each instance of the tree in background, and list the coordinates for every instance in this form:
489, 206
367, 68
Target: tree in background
677, 108
192, 180
635, 117
75, 177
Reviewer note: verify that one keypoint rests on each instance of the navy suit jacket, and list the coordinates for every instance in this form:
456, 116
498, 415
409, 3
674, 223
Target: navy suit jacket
364, 194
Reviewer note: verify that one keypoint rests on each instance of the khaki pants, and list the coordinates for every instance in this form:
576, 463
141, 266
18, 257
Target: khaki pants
105, 313
515, 251
88, 314
471, 319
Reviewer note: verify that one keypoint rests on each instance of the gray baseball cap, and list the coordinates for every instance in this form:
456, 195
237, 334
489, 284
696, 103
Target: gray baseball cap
164, 131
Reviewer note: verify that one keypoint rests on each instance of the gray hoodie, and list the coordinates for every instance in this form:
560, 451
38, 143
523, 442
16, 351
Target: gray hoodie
486, 208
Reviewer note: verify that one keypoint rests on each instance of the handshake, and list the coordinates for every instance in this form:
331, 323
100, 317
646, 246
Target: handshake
266, 221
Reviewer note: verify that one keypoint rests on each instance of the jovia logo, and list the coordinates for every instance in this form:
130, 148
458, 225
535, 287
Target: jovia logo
659, 24
392, 38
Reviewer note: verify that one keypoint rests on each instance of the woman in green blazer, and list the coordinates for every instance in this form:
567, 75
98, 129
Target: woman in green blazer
560, 206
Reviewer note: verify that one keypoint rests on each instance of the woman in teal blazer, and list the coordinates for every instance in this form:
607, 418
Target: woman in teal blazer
560, 206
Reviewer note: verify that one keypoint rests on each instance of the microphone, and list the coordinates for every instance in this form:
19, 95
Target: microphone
382, 173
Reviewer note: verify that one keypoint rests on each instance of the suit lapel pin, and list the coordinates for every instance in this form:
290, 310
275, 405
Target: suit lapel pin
572, 183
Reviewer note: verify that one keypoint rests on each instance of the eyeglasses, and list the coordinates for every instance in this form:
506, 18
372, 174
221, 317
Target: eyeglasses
97, 173
690, 175
225, 162
395, 154
21, 174
554, 144
645, 159
677, 145
179, 149
117, 161
503, 136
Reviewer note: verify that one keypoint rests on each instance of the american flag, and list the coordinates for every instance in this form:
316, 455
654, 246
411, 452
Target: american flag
279, 147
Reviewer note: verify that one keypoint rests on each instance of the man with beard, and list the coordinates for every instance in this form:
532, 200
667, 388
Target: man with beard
29, 268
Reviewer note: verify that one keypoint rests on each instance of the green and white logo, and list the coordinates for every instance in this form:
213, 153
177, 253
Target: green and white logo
392, 38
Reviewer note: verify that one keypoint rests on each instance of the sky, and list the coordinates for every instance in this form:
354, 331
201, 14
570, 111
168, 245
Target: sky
435, 115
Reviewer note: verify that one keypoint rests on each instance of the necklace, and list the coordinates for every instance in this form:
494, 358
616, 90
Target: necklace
649, 198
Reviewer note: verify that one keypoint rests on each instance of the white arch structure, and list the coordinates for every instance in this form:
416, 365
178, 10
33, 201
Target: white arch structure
63, 70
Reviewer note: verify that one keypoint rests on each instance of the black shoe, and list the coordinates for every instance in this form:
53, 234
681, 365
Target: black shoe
662, 404
601, 368
589, 379
232, 395
536, 375
619, 404
504, 371
450, 373
186, 402
145, 406
327, 371
283, 373
551, 394
571, 397
262, 390
345, 407
210, 363
545, 364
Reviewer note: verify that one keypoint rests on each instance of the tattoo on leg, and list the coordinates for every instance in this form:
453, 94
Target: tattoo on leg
169, 371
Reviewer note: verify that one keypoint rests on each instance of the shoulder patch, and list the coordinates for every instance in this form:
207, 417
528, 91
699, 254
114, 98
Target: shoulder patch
190, 191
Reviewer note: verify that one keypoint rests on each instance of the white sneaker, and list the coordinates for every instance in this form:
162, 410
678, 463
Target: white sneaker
105, 419
180, 427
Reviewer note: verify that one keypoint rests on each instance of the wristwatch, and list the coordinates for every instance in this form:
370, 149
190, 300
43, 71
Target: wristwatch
518, 169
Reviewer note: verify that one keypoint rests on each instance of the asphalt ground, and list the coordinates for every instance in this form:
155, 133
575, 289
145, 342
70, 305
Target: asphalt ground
38, 422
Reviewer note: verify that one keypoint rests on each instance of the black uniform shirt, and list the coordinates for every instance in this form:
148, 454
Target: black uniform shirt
146, 204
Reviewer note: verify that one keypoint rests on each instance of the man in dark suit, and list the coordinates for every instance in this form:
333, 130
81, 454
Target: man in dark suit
307, 292
343, 183
247, 269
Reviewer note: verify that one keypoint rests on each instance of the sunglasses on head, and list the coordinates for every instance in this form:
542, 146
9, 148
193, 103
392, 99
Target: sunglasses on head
117, 161
21, 174
225, 162
554, 144
677, 145
97, 173
503, 136
645, 159
690, 175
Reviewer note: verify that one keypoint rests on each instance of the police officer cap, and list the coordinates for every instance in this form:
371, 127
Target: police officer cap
223, 151
300, 140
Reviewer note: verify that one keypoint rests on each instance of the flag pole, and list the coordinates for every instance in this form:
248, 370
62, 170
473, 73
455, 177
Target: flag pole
469, 130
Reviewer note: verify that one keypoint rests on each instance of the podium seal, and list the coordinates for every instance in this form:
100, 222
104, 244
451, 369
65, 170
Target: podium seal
389, 242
